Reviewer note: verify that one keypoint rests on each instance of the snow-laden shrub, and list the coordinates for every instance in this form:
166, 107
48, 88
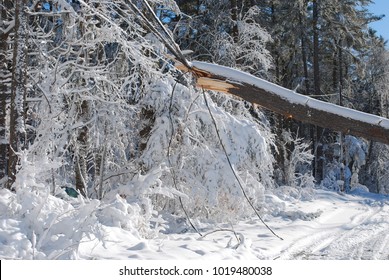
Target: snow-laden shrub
355, 152
44, 226
356, 157
297, 159
375, 174
332, 179
38, 225
184, 140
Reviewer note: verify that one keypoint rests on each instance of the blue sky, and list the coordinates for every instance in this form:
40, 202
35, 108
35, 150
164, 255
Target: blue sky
381, 7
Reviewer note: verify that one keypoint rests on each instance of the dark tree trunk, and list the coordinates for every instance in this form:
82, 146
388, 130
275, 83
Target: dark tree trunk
4, 95
18, 90
316, 86
316, 63
3, 109
5, 85
275, 47
304, 57
234, 17
82, 152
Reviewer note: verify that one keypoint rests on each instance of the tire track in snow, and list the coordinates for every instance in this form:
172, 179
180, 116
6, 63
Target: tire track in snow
313, 245
308, 245
361, 242
366, 236
385, 248
368, 240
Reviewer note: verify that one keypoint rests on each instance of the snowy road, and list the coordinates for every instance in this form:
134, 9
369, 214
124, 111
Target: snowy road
331, 226
353, 232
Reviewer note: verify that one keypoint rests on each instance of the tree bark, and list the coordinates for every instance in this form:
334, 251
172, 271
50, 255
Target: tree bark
18, 90
82, 152
5, 85
234, 17
304, 56
3, 109
4, 95
316, 65
316, 85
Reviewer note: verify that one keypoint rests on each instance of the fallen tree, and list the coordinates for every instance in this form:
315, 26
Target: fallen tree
271, 96
289, 103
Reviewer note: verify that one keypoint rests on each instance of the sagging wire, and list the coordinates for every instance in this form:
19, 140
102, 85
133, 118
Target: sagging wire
175, 50
233, 170
172, 169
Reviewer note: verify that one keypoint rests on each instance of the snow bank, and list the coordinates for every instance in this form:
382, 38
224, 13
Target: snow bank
37, 225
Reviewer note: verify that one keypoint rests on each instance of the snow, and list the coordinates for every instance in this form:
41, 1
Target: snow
314, 223
290, 95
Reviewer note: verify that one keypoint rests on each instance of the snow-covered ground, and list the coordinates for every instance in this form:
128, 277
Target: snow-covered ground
316, 225
331, 226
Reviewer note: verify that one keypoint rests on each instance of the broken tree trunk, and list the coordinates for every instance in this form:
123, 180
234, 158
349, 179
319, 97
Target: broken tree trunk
289, 103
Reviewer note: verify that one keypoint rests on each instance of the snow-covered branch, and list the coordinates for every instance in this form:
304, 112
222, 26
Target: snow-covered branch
8, 29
